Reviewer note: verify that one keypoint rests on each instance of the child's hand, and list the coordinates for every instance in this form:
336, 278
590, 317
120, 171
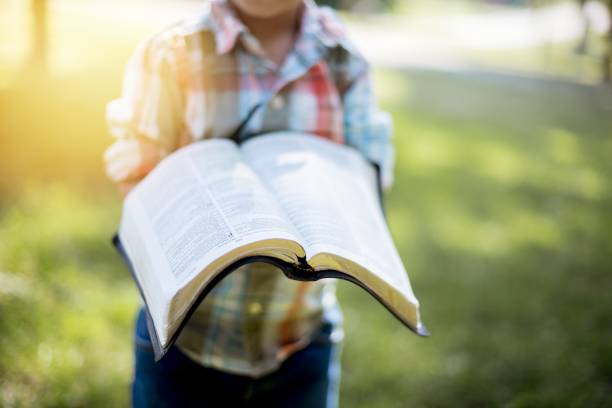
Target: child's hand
122, 158
128, 160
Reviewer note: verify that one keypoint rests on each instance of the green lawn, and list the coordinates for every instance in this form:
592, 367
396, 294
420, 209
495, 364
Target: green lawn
501, 212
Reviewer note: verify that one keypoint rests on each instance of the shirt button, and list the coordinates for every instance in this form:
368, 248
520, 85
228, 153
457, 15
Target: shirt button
278, 102
254, 308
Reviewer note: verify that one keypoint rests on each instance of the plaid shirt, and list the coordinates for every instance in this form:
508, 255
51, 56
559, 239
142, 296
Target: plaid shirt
200, 79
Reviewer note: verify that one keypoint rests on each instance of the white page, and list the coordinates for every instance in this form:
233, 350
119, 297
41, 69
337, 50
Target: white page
195, 206
147, 261
204, 201
329, 193
179, 217
248, 207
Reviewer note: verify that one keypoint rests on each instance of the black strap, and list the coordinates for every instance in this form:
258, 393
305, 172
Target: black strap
236, 134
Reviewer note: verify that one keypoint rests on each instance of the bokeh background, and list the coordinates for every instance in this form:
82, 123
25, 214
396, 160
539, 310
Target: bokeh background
502, 207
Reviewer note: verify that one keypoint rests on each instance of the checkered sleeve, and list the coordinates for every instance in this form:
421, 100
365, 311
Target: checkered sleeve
146, 120
367, 128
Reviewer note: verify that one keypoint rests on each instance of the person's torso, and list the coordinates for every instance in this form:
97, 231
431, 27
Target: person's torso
256, 316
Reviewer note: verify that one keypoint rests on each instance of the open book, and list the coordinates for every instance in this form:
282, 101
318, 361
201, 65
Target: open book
301, 203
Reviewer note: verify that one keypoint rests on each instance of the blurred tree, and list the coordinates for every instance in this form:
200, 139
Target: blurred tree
583, 44
607, 58
39, 51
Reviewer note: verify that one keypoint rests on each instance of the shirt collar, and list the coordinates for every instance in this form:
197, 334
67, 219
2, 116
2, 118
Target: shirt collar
316, 21
226, 26
321, 23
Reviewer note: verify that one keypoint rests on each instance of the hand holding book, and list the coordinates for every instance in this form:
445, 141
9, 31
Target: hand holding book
299, 202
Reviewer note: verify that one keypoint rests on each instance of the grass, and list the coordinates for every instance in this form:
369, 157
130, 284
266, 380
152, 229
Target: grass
560, 60
500, 210
500, 214
65, 302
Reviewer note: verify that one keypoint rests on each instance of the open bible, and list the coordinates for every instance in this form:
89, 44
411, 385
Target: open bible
301, 203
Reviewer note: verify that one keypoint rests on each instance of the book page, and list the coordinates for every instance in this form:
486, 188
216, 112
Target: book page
202, 201
329, 192
197, 205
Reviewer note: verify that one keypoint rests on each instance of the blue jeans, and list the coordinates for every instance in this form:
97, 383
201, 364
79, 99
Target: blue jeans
308, 378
